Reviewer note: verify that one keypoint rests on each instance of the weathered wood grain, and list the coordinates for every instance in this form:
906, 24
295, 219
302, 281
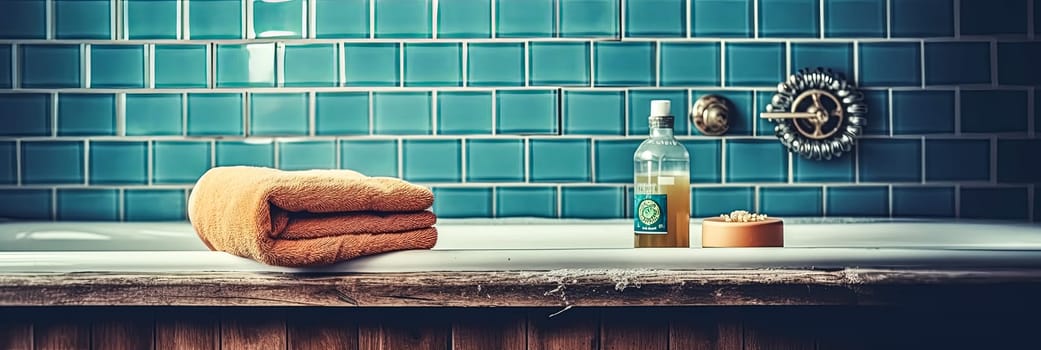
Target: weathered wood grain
189, 329
318, 330
124, 333
396, 330
573, 328
779, 330
704, 330
252, 329
16, 335
634, 329
580, 287
496, 329
55, 333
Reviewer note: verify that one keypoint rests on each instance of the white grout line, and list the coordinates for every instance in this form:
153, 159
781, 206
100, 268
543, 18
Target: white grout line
856, 62
722, 64
211, 63
433, 112
957, 19
372, 96
341, 64
556, 18
625, 113
889, 34
85, 51
150, 66
86, 162
723, 161
115, 29
311, 125
150, 161
527, 160
890, 91
48, 7
16, 67
280, 64
791, 166
462, 160
18, 162
755, 19
241, 41
921, 63
756, 198
592, 160
824, 200
493, 28
181, 14
788, 60
922, 155
621, 18
820, 9
889, 188
121, 119
54, 114
276, 147
246, 113
401, 64
307, 21
993, 160
657, 64
466, 64
54, 204
592, 64
433, 21
688, 24
401, 158
527, 64
121, 204
184, 114
957, 111
247, 22
185, 20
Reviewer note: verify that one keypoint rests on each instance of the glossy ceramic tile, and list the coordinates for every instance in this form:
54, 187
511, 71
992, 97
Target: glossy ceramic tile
278, 18
836, 57
834, 170
52, 162
592, 202
957, 160
216, 19
8, 162
401, 113
88, 204
464, 112
855, 18
559, 63
341, 113
82, 19
690, 64
341, 18
117, 66
526, 202
151, 19
311, 65
923, 201
1016, 62
589, 18
791, 201
433, 64
721, 18
495, 160
306, 155
994, 111
372, 157
23, 20
526, 112
594, 112
215, 114
923, 112
154, 205
49, 66
464, 19
31, 204
656, 18
1001, 203
560, 160
742, 112
789, 18
456, 202
179, 162
248, 153
764, 127
432, 160
895, 160
713, 201
755, 64
495, 64
878, 112
403, 18
153, 114
890, 64
858, 201
756, 161
922, 18
86, 114
5, 67
625, 63
950, 63
705, 160
118, 163
372, 64
640, 110
982, 17
1017, 161
180, 66
614, 160
522, 19
33, 112
245, 65
278, 114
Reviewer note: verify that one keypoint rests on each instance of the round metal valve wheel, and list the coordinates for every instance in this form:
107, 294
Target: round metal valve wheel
817, 114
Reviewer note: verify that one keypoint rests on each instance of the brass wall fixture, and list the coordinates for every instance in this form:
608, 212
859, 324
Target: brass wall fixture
817, 114
710, 115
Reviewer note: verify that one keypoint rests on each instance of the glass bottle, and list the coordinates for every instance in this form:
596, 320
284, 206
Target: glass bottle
661, 165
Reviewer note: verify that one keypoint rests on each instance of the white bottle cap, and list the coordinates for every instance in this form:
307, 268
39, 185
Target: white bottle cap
661, 108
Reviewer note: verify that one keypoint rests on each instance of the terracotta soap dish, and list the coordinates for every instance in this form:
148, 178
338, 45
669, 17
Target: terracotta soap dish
741, 229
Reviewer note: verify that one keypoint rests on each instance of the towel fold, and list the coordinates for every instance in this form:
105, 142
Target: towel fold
313, 217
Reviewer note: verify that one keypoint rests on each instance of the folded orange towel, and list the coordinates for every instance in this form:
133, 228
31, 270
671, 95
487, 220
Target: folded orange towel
313, 217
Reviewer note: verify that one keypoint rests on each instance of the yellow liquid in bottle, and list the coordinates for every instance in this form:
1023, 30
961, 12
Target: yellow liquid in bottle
677, 208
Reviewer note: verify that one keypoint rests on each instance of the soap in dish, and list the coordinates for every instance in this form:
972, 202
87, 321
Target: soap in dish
719, 232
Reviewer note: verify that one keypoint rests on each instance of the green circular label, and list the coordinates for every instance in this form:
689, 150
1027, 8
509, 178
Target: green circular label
649, 212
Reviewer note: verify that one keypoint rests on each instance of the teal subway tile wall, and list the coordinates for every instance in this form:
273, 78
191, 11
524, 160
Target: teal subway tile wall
111, 109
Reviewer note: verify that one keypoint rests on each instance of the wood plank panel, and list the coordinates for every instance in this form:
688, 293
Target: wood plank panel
482, 329
308, 330
189, 329
255, 329
632, 329
124, 330
58, 333
702, 330
16, 335
418, 330
779, 329
571, 329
